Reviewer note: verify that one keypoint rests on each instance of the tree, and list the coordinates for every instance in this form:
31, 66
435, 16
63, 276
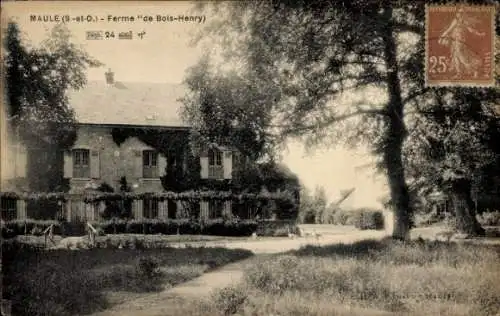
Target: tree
320, 205
37, 81
453, 148
229, 109
310, 54
307, 213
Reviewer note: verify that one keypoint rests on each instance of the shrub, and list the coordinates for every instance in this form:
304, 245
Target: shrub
230, 227
277, 228
37, 231
147, 274
188, 227
100, 232
341, 217
489, 218
147, 267
277, 276
7, 232
137, 243
112, 226
368, 219
426, 219
229, 300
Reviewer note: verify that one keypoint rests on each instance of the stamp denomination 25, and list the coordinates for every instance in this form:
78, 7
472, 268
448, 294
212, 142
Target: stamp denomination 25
460, 45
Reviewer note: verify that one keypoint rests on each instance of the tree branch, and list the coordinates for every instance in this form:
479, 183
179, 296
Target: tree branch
415, 94
409, 28
291, 129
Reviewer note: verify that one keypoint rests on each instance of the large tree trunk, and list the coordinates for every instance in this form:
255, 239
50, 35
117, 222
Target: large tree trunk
465, 214
395, 136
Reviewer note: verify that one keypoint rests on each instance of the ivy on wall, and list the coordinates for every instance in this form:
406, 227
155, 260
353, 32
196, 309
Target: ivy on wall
192, 196
183, 164
183, 168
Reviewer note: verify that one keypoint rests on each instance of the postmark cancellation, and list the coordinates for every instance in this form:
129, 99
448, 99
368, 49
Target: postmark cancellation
460, 48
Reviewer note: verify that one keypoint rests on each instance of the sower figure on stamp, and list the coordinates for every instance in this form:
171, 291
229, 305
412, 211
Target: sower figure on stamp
462, 57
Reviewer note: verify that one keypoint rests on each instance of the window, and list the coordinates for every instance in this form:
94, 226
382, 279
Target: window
176, 161
8, 209
215, 209
149, 164
215, 168
195, 210
172, 209
150, 208
81, 165
214, 157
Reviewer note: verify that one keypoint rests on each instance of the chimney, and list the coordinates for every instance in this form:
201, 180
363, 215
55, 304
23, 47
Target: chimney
110, 77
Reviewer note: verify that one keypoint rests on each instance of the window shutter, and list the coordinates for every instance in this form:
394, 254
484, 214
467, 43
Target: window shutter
138, 209
138, 163
95, 165
228, 164
204, 212
204, 167
22, 162
68, 164
227, 209
162, 165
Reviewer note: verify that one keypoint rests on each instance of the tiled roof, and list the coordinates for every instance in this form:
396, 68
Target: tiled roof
128, 103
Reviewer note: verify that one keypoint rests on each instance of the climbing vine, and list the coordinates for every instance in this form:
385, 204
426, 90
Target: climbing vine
192, 196
183, 167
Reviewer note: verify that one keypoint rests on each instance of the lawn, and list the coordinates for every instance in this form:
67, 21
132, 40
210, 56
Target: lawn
65, 282
153, 241
368, 278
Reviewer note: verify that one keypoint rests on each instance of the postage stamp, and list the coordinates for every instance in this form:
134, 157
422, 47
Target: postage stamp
459, 45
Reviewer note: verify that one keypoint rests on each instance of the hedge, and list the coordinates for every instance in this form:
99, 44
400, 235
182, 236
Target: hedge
368, 219
489, 218
220, 227
278, 228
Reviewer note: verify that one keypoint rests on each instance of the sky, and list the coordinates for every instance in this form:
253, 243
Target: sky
163, 55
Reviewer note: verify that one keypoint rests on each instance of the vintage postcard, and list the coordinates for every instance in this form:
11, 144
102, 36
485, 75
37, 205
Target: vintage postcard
249, 158
460, 45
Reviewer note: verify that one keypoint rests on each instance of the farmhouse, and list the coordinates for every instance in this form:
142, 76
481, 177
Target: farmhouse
129, 137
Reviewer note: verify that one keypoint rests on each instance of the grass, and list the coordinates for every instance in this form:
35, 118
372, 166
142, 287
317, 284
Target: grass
149, 241
373, 277
62, 282
154, 240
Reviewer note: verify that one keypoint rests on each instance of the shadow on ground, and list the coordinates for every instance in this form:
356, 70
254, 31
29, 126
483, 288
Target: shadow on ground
418, 251
65, 282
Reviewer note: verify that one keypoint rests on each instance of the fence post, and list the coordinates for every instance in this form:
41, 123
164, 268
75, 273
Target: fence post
227, 209
21, 209
180, 209
163, 209
102, 208
203, 210
137, 207
68, 209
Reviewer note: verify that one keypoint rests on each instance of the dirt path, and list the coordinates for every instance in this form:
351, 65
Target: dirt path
169, 301
172, 301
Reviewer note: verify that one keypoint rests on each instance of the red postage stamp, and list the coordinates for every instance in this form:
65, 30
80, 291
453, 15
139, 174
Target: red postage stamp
460, 45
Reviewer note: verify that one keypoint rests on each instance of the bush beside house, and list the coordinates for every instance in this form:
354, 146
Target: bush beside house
221, 227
